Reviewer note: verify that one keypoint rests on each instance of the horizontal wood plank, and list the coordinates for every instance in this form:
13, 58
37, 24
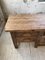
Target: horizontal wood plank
22, 22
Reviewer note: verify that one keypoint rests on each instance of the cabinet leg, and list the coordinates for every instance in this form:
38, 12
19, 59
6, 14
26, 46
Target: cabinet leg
36, 44
38, 36
13, 35
37, 39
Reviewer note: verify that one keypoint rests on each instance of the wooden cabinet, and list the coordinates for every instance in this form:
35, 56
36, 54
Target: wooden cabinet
26, 27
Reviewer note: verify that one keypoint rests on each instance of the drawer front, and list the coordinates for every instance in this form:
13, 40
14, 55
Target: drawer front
26, 36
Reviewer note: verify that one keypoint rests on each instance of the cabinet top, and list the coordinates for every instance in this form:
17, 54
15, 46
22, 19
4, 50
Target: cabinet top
24, 22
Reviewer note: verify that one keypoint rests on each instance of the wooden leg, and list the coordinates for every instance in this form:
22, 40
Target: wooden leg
13, 34
37, 40
36, 43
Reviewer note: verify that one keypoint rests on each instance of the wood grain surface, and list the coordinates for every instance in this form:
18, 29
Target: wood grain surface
25, 27
25, 22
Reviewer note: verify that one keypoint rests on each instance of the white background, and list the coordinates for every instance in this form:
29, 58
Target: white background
12, 6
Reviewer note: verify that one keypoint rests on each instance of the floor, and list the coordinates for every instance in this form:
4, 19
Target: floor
26, 51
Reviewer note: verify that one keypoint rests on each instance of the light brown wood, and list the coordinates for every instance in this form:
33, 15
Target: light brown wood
26, 26
25, 22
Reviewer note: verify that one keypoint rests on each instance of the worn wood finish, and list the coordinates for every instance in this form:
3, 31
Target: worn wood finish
13, 34
38, 38
22, 37
27, 36
25, 23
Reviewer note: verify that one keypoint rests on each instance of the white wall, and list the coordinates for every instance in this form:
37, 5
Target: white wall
12, 6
